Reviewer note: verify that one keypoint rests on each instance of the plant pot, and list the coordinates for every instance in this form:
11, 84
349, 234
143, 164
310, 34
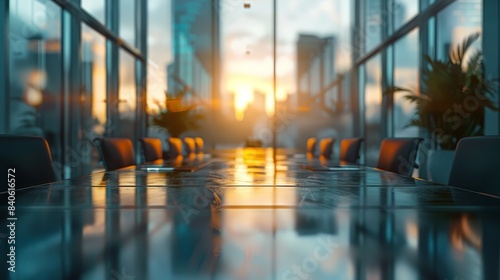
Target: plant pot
439, 165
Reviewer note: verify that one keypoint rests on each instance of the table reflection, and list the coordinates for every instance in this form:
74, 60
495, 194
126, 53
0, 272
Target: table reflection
244, 217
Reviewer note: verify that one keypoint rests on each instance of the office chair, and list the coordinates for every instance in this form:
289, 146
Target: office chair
398, 155
326, 147
115, 153
151, 148
174, 147
190, 145
476, 165
199, 144
29, 158
349, 149
311, 145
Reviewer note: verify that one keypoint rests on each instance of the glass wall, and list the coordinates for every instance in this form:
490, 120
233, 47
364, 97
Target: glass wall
96, 8
160, 59
373, 109
313, 52
93, 85
403, 11
372, 35
455, 23
127, 97
434, 33
127, 21
406, 75
35, 71
59, 85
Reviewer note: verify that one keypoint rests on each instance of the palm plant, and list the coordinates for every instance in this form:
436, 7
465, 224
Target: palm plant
178, 118
453, 96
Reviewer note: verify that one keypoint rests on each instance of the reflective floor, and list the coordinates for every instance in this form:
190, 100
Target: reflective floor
244, 217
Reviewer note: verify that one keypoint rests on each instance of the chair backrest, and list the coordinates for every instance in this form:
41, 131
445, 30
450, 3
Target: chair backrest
29, 157
326, 147
190, 145
476, 165
115, 152
398, 155
174, 147
349, 149
311, 145
199, 144
151, 148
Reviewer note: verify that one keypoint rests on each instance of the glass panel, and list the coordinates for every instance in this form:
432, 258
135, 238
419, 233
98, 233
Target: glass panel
127, 21
426, 3
127, 97
182, 63
403, 11
35, 71
160, 59
373, 24
406, 75
373, 109
96, 8
455, 23
93, 86
247, 103
313, 49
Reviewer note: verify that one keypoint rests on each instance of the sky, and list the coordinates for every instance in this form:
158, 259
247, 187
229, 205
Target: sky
247, 43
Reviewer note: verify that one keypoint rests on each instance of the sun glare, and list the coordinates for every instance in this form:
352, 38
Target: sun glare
243, 95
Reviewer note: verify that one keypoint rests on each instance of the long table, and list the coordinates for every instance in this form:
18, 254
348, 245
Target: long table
253, 214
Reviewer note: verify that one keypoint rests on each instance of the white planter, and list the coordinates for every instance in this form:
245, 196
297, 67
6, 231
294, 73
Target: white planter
439, 165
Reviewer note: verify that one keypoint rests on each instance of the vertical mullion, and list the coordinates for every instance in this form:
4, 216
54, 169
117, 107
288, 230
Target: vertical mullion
71, 37
386, 104
356, 96
112, 83
491, 40
141, 36
4, 70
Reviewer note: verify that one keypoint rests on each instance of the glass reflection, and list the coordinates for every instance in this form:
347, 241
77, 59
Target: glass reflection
127, 21
94, 89
372, 35
127, 97
456, 22
403, 11
406, 75
95, 7
373, 109
35, 72
159, 53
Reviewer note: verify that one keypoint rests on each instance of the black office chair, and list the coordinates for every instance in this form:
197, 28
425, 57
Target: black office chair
151, 149
398, 155
349, 149
199, 144
326, 147
174, 147
29, 158
190, 145
115, 153
476, 165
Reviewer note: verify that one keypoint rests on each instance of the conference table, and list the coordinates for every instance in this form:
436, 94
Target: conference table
254, 213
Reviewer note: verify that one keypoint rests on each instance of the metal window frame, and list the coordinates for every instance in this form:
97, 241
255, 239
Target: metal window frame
141, 37
423, 16
4, 69
108, 31
491, 11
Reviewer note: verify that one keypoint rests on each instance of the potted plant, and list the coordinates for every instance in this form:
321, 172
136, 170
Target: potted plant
178, 117
450, 104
